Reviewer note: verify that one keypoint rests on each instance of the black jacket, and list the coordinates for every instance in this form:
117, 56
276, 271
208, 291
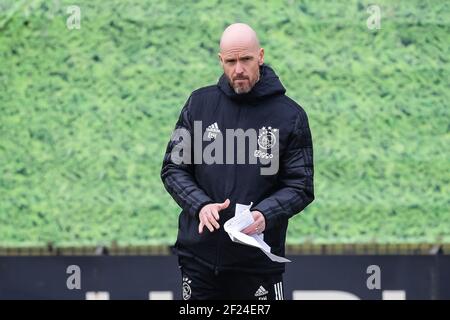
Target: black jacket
278, 196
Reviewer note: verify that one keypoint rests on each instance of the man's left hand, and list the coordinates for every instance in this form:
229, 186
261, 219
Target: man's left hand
256, 227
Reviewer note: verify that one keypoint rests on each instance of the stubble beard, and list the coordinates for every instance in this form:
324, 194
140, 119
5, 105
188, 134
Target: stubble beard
243, 89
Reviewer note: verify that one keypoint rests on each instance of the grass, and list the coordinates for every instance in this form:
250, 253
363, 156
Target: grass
85, 114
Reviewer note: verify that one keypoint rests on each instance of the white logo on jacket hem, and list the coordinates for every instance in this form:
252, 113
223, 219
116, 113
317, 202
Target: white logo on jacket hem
186, 288
261, 292
213, 130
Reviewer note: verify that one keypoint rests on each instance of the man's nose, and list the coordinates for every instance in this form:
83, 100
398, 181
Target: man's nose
239, 68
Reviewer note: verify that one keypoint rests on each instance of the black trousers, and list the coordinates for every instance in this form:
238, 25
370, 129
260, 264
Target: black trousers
201, 283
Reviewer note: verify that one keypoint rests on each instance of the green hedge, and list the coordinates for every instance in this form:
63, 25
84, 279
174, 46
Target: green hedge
85, 114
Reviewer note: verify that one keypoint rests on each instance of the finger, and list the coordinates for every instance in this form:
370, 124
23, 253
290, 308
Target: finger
215, 213
200, 227
204, 219
213, 221
251, 228
259, 220
258, 216
208, 225
261, 224
224, 205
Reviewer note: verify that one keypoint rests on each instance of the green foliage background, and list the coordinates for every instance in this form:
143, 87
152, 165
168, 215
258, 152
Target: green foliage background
85, 114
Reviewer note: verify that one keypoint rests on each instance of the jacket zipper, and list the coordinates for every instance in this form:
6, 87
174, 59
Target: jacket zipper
228, 189
219, 240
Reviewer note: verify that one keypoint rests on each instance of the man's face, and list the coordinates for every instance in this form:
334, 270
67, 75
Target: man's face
241, 67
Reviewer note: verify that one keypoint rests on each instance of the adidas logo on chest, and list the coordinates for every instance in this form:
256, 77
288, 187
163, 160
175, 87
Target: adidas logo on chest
213, 130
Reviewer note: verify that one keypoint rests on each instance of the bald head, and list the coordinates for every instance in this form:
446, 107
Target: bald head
241, 56
239, 35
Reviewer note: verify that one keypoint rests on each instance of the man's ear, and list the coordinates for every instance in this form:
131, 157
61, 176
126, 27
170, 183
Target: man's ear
220, 58
261, 56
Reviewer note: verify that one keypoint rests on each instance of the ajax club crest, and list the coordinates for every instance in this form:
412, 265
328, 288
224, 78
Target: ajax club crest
186, 288
267, 139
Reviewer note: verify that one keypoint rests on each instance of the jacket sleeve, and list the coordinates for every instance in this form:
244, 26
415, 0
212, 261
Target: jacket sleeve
178, 177
296, 189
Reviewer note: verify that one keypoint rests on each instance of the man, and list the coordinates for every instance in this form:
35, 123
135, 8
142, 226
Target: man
250, 97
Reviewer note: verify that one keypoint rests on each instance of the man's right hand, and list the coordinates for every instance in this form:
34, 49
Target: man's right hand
209, 215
